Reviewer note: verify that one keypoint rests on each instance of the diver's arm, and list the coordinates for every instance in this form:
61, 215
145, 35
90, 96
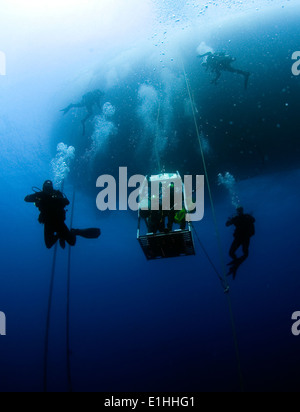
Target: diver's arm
251, 218
31, 198
229, 222
72, 106
66, 202
63, 199
67, 109
205, 55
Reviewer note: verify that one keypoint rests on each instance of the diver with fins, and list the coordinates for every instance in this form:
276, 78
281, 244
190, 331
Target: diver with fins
221, 62
245, 230
51, 204
88, 101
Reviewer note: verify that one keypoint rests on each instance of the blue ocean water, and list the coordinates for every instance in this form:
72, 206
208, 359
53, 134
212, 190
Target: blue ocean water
137, 325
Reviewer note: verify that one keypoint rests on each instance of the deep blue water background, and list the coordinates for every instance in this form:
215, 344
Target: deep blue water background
160, 326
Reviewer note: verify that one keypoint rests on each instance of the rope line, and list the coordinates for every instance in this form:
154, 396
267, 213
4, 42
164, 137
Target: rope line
224, 277
206, 254
46, 350
68, 348
46, 353
156, 138
236, 345
220, 248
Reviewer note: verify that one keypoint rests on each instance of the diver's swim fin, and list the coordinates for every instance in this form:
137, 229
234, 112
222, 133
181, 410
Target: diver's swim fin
233, 271
235, 265
237, 262
232, 263
87, 233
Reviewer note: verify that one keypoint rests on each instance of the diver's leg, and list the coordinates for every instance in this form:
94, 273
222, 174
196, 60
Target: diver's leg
234, 271
235, 246
171, 220
50, 237
62, 243
155, 222
246, 246
67, 235
246, 76
238, 262
242, 73
218, 76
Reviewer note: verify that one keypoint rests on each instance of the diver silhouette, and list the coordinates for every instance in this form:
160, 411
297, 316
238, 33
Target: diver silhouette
51, 204
88, 101
221, 62
245, 229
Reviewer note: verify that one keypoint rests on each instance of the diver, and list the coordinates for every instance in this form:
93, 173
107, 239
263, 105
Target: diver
156, 221
180, 218
88, 101
245, 230
221, 62
171, 213
174, 215
51, 204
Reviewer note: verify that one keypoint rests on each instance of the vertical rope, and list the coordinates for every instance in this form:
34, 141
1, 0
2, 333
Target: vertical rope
236, 345
46, 352
225, 285
156, 138
68, 305
207, 255
220, 248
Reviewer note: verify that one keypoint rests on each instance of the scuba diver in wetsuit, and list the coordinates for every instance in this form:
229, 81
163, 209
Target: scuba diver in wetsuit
52, 203
220, 62
88, 101
245, 230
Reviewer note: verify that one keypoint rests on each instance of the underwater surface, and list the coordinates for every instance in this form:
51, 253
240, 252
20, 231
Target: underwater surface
139, 326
